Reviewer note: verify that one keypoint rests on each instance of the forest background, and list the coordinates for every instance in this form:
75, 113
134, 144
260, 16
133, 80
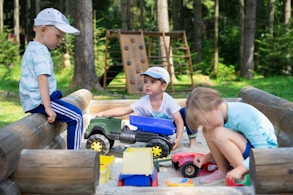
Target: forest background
233, 43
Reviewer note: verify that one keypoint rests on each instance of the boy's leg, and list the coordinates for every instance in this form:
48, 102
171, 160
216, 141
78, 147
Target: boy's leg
72, 115
191, 135
192, 142
68, 113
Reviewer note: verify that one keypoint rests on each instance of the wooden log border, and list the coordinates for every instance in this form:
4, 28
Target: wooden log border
33, 132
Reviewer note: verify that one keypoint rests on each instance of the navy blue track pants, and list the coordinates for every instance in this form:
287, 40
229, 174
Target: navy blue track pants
68, 113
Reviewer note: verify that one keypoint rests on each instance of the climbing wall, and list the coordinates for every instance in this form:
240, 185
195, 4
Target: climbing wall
134, 60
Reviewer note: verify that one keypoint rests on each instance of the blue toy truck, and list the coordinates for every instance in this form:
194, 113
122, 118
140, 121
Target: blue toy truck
102, 132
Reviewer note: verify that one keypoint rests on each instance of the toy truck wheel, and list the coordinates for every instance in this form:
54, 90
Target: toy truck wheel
159, 147
175, 165
99, 143
189, 170
111, 143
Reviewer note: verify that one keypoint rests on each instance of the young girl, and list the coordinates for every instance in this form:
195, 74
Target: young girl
231, 129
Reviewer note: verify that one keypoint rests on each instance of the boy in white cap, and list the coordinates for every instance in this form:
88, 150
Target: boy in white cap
37, 87
156, 103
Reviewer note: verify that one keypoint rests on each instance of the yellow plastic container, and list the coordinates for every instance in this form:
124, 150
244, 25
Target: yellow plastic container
138, 161
105, 166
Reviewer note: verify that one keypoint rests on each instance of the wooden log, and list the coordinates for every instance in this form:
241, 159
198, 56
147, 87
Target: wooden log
271, 170
57, 143
33, 132
57, 171
9, 187
278, 110
100, 105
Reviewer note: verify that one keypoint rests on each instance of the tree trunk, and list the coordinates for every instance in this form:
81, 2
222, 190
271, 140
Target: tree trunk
287, 11
271, 16
16, 21
177, 14
241, 31
84, 67
216, 36
123, 7
249, 33
198, 29
141, 16
163, 26
1, 15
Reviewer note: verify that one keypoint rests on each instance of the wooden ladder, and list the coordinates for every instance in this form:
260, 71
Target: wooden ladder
168, 39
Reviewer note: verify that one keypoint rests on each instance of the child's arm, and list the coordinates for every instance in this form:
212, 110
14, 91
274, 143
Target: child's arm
179, 129
115, 112
45, 96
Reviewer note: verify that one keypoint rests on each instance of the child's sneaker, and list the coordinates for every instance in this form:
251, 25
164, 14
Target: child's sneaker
214, 177
240, 182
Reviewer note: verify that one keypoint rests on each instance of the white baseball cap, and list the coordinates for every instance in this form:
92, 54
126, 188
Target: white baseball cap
157, 73
51, 16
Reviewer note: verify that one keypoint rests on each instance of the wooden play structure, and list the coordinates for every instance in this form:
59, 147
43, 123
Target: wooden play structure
33, 158
132, 52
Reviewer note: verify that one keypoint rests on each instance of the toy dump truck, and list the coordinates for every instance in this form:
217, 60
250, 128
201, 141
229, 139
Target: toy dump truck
102, 132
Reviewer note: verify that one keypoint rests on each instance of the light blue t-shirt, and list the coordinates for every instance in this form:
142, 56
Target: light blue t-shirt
36, 61
143, 107
253, 124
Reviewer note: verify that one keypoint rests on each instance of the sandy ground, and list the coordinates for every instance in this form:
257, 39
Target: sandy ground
166, 171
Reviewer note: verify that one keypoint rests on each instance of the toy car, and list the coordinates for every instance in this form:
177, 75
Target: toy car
102, 132
183, 161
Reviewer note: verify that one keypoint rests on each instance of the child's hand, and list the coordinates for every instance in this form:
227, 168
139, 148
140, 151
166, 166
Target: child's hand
176, 144
199, 161
51, 115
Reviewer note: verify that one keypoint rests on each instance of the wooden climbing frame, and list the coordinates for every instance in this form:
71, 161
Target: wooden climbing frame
136, 57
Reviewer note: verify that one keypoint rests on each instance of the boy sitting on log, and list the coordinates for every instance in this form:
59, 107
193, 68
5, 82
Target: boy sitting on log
37, 88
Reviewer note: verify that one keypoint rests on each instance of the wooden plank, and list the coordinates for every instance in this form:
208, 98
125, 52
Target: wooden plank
271, 170
134, 60
57, 171
33, 132
100, 105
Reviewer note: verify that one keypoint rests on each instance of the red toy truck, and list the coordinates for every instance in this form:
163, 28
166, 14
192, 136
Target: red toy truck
183, 161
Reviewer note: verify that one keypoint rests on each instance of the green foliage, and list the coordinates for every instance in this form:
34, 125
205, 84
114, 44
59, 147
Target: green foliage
229, 46
57, 54
224, 73
99, 48
9, 55
274, 53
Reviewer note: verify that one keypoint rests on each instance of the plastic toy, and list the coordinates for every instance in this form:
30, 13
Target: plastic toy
176, 181
183, 161
102, 132
138, 168
241, 182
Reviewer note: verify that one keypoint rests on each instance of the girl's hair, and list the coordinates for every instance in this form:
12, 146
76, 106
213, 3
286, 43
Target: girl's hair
200, 101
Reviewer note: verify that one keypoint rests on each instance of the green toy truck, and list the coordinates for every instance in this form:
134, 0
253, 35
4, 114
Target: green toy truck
102, 132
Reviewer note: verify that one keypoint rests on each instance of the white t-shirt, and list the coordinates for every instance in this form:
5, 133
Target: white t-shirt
36, 61
168, 107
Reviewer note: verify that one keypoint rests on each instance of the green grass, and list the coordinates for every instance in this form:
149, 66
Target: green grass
10, 109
